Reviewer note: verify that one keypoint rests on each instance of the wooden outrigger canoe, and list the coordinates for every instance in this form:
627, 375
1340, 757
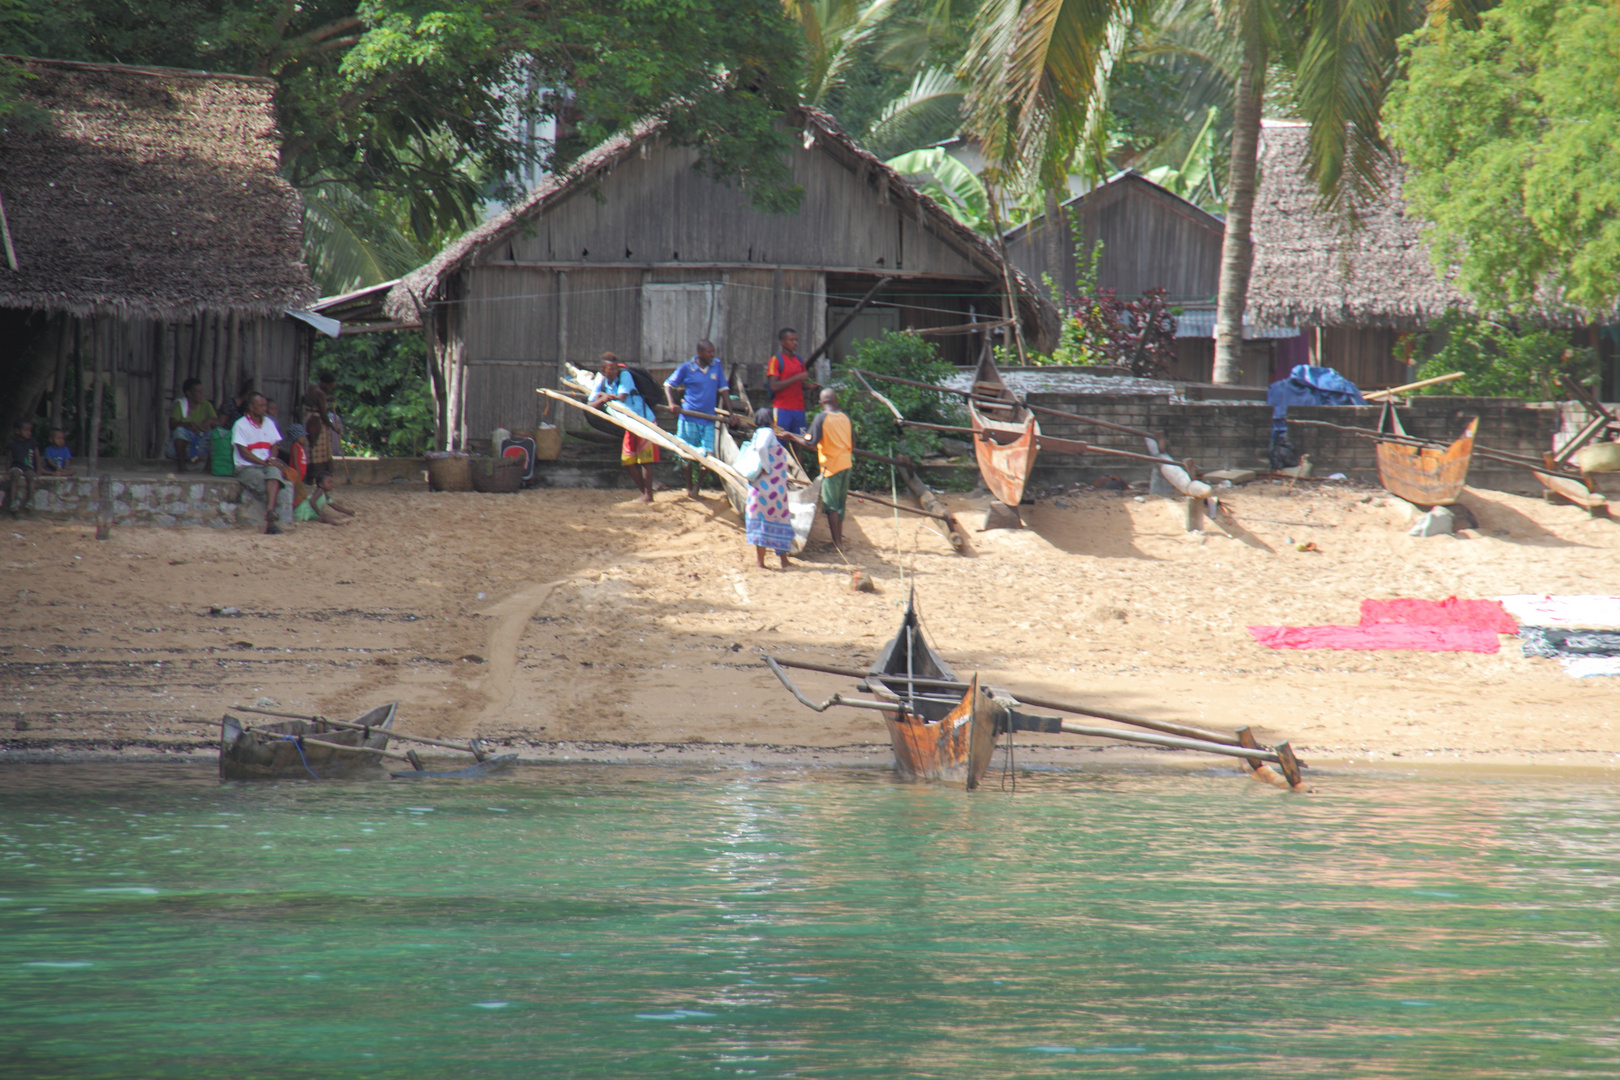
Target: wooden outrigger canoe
937, 733
935, 736
804, 498
1006, 435
1425, 475
275, 751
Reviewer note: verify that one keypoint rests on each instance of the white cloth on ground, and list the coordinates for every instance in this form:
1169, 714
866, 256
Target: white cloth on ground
1590, 611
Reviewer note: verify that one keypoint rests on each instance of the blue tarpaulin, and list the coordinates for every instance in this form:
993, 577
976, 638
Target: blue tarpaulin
1307, 385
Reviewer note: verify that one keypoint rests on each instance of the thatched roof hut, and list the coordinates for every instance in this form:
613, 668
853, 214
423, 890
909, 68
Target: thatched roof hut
1310, 269
151, 240
150, 192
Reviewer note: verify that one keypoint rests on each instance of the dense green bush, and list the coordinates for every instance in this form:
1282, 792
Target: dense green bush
907, 356
1500, 360
382, 392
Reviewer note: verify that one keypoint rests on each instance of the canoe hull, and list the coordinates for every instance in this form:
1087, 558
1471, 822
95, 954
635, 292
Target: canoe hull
265, 754
954, 749
941, 737
1005, 452
1427, 476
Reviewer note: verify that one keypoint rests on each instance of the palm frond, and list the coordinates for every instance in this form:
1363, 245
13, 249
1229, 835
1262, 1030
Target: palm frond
949, 183
1038, 74
348, 244
928, 111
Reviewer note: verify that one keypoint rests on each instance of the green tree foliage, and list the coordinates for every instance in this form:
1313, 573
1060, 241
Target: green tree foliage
1511, 132
415, 102
949, 183
907, 356
382, 392
1499, 359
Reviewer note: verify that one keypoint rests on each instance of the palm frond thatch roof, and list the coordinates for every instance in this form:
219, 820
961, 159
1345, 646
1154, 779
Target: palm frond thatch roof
426, 284
1310, 269
150, 192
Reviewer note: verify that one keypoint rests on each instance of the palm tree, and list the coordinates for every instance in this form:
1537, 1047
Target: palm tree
1038, 92
1342, 57
1039, 97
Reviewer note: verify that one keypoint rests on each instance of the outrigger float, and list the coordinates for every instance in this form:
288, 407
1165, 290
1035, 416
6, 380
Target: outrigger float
943, 729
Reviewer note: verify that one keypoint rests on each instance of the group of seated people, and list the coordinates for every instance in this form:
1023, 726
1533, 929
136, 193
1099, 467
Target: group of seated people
29, 461
291, 471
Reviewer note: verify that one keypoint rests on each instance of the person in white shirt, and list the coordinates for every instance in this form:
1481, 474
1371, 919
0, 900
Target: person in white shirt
255, 437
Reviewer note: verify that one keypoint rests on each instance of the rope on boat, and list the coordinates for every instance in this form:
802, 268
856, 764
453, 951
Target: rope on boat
298, 742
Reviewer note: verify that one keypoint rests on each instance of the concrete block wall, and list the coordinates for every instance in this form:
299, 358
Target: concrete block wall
213, 502
1234, 435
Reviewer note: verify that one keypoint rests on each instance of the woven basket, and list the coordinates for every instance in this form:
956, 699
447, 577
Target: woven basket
450, 474
502, 474
548, 443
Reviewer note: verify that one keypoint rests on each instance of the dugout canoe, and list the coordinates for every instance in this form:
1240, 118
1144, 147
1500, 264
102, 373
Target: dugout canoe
1006, 435
940, 736
1425, 475
272, 751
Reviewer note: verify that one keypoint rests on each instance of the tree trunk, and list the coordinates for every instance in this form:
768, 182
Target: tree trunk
1237, 247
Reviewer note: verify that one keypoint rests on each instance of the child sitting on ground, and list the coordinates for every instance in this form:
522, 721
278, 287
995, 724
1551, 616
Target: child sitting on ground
24, 469
58, 459
320, 506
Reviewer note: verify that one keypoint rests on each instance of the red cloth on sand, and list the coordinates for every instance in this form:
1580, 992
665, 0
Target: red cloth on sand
1480, 614
1425, 638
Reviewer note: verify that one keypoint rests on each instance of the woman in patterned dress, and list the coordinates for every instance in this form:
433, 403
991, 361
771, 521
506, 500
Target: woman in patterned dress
770, 522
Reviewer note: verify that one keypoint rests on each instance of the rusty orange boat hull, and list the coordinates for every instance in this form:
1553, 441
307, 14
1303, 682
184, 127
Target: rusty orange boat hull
1427, 476
941, 736
955, 748
1005, 453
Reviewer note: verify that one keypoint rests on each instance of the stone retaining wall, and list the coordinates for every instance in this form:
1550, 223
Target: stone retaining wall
211, 501
1220, 435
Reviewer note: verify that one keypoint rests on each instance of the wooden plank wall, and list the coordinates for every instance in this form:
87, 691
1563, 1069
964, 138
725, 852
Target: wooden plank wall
1366, 355
658, 209
518, 322
1150, 239
150, 360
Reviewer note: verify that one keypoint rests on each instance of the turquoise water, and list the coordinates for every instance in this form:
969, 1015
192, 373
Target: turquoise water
602, 922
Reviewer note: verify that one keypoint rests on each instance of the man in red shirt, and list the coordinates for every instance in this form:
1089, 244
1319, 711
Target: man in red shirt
786, 376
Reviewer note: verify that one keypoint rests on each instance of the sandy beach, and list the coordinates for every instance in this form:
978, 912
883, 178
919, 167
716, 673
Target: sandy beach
583, 624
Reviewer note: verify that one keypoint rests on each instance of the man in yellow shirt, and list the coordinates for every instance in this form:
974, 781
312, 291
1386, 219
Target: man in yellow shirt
833, 436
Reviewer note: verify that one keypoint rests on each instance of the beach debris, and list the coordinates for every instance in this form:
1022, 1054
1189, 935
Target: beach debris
266, 702
217, 610
1230, 476
1437, 522
861, 581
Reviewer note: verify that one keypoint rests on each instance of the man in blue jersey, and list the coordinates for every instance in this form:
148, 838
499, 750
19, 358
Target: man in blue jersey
702, 383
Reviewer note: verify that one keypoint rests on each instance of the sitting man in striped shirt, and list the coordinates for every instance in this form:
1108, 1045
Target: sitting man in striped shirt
255, 437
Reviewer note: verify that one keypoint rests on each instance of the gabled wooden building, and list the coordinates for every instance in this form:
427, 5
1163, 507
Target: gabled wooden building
634, 251
1151, 238
150, 239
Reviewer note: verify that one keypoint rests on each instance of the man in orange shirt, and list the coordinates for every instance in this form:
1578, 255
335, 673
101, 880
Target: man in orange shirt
786, 376
833, 436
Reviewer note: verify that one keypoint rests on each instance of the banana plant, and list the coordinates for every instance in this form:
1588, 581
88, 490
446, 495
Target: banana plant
949, 183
